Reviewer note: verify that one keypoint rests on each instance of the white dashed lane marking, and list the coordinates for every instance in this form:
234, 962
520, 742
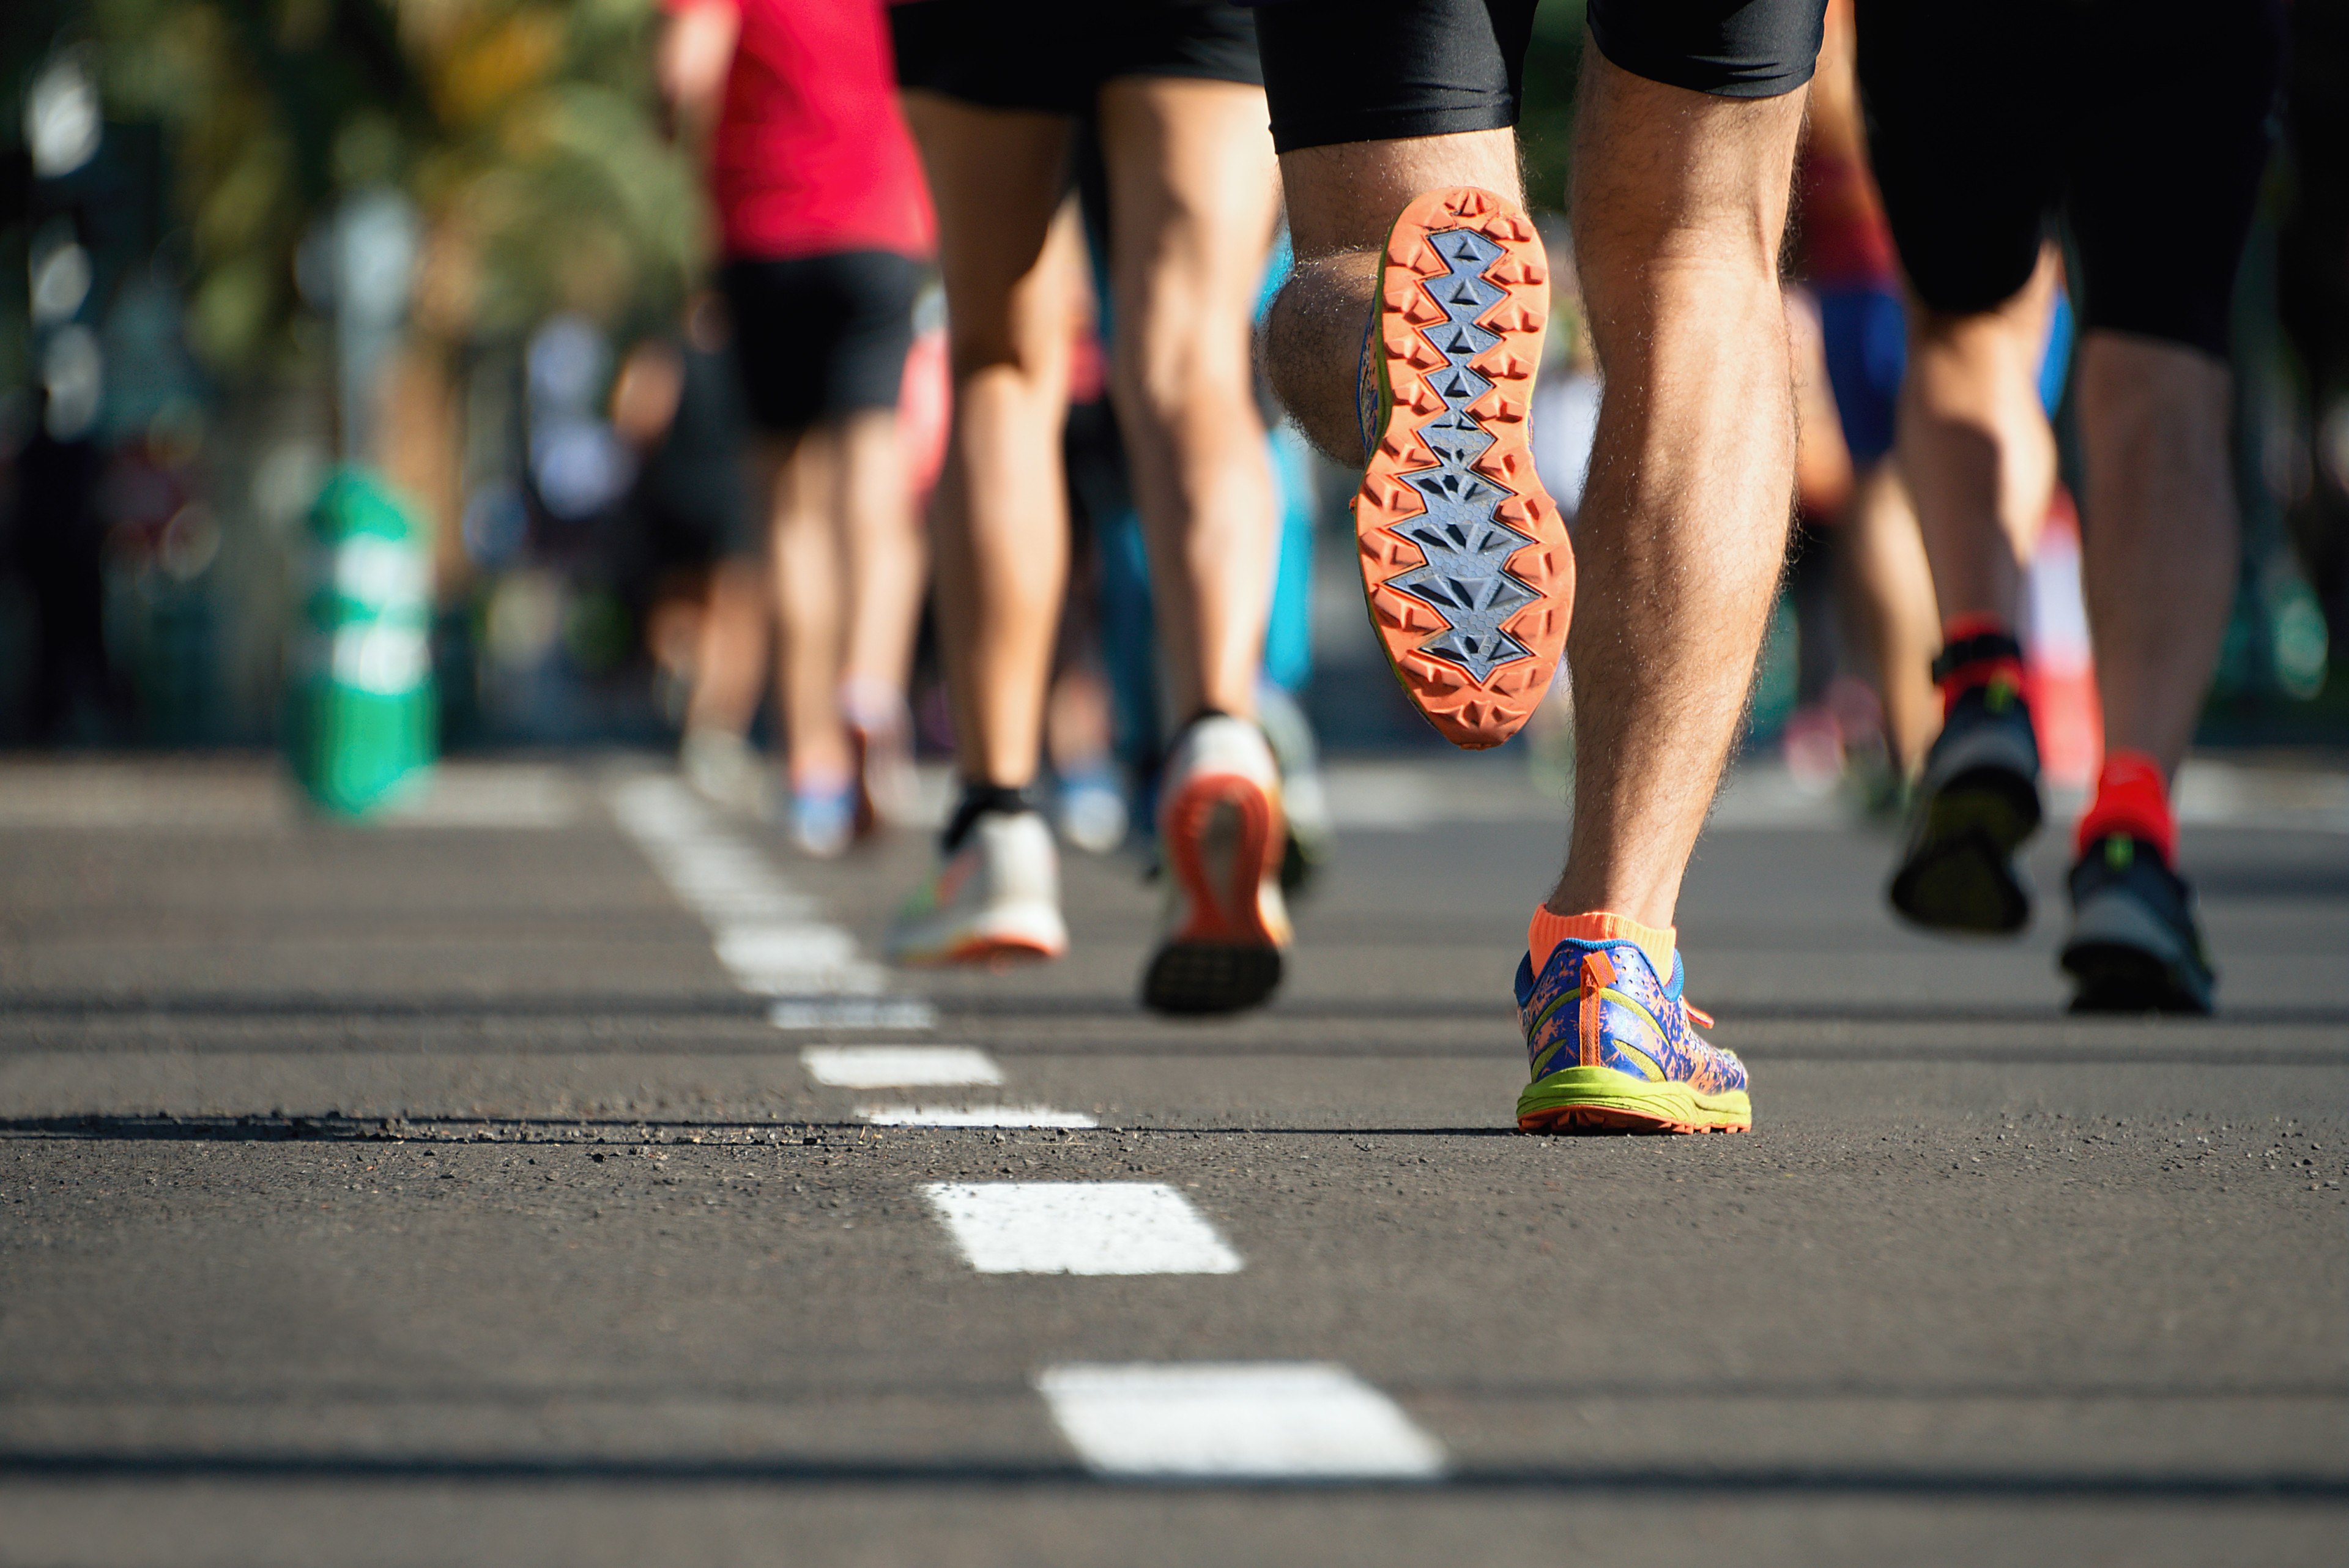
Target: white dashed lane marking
853, 1013
1305, 1421
1081, 1227
973, 1117
898, 1067
766, 934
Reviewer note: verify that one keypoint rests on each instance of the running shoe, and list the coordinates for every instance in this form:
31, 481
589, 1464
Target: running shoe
2135, 947
825, 818
1465, 563
725, 769
997, 896
1220, 833
1977, 804
881, 734
1615, 1050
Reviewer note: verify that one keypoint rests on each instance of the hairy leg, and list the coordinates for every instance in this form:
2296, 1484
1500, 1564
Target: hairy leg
1679, 203
1000, 514
2160, 538
1975, 445
803, 554
882, 541
1193, 196
1341, 201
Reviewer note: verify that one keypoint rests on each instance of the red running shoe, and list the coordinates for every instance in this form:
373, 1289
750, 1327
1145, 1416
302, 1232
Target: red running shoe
1465, 561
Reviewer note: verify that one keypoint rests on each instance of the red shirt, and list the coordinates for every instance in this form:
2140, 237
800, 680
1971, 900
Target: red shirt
1846, 241
811, 156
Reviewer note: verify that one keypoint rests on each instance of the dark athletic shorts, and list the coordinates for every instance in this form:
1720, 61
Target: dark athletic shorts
2141, 124
1374, 71
819, 337
1054, 54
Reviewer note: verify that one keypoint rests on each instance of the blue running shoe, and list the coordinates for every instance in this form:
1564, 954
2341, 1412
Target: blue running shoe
1615, 1050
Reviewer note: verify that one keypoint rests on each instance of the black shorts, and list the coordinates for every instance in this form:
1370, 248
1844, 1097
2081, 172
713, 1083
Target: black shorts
819, 337
2141, 125
1054, 54
1376, 70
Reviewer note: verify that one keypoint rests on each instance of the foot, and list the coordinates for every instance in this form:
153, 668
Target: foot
726, 770
881, 736
826, 818
1221, 833
1977, 804
1615, 1050
996, 896
1465, 558
2135, 947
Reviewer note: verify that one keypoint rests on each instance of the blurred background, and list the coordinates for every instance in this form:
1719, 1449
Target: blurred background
247, 242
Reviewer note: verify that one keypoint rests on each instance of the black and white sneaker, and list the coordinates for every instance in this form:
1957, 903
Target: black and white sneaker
2135, 947
1977, 804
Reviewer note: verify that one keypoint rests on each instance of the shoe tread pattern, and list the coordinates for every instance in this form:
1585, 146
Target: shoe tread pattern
1466, 567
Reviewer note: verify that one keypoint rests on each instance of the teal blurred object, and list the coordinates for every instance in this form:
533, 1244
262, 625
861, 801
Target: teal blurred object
362, 714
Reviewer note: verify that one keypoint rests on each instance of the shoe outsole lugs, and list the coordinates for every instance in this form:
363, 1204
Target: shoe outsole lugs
1223, 840
1465, 564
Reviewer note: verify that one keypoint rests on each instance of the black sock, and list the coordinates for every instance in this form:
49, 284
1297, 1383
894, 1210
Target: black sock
977, 798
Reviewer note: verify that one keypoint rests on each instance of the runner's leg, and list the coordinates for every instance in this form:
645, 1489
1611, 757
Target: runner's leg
1680, 199
2159, 552
1976, 447
885, 550
1340, 200
1001, 529
1192, 208
803, 556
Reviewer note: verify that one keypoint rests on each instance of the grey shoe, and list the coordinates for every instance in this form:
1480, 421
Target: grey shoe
2135, 947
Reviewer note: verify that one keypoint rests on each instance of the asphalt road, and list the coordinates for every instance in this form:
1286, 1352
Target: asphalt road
466, 1190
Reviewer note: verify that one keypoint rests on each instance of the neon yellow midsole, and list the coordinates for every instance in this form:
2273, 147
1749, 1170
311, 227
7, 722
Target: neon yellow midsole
1604, 1088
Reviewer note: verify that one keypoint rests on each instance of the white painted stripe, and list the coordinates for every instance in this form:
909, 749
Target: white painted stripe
1080, 1227
1236, 1421
766, 932
973, 1117
853, 1012
898, 1067
781, 950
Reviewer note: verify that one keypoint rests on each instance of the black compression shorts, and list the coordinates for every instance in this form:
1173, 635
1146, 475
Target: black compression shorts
819, 337
1376, 70
2141, 124
1054, 54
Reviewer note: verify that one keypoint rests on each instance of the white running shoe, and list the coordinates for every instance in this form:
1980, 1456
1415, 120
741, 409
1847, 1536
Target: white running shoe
1221, 831
727, 771
997, 897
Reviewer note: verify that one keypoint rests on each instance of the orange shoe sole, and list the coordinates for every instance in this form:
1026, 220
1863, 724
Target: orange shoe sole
1466, 567
1227, 953
1233, 913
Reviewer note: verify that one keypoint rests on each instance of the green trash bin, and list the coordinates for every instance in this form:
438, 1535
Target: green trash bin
363, 718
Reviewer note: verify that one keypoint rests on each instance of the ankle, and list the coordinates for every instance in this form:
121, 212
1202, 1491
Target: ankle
976, 801
2132, 800
1548, 929
1977, 651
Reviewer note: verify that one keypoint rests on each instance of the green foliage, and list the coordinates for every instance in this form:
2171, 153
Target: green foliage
524, 128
